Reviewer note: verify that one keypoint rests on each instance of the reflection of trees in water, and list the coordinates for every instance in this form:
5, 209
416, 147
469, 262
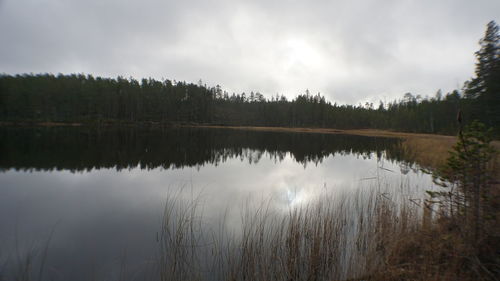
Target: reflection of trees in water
79, 149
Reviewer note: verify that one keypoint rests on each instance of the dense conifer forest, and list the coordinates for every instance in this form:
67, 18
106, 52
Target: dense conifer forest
88, 99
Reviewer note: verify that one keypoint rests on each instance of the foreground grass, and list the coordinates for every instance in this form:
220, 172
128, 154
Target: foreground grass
462, 242
368, 235
343, 237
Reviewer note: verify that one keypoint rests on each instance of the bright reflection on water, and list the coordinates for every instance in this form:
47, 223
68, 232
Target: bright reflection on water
105, 216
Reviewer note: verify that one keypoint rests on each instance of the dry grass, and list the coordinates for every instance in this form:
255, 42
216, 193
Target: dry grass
368, 235
428, 150
438, 251
333, 238
26, 264
446, 247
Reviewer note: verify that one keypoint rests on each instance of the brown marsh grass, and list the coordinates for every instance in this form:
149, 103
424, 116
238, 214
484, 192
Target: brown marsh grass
430, 151
336, 237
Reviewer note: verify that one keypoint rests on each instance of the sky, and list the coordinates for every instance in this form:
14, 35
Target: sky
349, 51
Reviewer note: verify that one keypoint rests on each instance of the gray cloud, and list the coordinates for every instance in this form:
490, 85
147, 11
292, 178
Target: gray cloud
351, 51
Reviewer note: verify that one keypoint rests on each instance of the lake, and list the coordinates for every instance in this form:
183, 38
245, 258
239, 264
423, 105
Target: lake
88, 203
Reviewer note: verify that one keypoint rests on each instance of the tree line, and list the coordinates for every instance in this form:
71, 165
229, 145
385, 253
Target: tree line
89, 99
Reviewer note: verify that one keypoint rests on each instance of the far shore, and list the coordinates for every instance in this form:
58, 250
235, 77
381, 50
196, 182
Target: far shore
428, 150
361, 132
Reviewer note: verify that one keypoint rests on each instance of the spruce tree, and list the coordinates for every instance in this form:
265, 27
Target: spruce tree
485, 87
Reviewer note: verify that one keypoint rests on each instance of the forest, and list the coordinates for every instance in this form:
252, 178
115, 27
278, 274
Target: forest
94, 100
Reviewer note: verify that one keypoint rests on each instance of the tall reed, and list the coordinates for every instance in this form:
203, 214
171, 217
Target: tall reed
334, 237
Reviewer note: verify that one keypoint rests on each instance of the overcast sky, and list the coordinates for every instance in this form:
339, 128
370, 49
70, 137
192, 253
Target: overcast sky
350, 51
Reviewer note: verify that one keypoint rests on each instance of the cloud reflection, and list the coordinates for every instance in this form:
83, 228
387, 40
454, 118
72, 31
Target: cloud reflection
105, 212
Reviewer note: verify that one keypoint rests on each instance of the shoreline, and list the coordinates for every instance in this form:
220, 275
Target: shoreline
360, 132
430, 151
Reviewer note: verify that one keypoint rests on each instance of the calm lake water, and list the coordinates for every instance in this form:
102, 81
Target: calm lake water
99, 195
